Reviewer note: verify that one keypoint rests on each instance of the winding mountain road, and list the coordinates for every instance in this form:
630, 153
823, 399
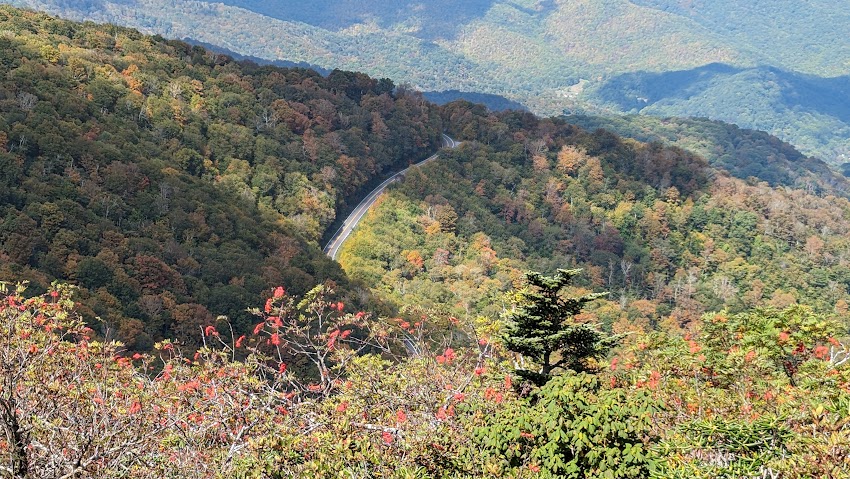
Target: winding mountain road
333, 246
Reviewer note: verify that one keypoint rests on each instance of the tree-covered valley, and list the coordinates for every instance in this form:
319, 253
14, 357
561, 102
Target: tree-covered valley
549, 299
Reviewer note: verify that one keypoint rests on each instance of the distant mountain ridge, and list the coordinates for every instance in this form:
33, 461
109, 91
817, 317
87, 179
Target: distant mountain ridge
802, 36
745, 154
813, 110
550, 55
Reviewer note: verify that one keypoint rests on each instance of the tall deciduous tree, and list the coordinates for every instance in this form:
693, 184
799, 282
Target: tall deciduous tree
542, 326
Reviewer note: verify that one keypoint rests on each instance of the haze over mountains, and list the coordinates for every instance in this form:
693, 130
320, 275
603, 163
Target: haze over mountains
776, 66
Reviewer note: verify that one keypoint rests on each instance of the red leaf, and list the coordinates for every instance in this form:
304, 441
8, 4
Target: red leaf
693, 347
441, 414
654, 379
449, 354
332, 338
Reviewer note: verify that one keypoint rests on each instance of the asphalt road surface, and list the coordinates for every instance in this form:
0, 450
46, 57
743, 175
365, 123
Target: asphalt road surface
333, 246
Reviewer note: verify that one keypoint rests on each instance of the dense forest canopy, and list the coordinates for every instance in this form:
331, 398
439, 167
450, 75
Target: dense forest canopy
165, 309
668, 236
785, 74
174, 184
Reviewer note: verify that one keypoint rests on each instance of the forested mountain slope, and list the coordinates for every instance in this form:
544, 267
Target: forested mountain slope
174, 184
804, 37
163, 185
743, 153
669, 236
781, 73
810, 111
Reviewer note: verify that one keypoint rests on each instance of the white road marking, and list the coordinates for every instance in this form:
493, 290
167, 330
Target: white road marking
333, 246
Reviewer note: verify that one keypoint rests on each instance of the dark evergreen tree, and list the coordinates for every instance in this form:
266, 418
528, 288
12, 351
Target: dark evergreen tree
542, 326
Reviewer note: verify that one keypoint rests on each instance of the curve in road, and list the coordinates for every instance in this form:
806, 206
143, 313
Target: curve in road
335, 243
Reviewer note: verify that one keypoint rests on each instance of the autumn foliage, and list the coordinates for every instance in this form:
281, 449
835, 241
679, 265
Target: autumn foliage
315, 390
72, 404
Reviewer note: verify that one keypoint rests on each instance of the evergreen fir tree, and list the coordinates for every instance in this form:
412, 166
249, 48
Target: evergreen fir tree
542, 327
